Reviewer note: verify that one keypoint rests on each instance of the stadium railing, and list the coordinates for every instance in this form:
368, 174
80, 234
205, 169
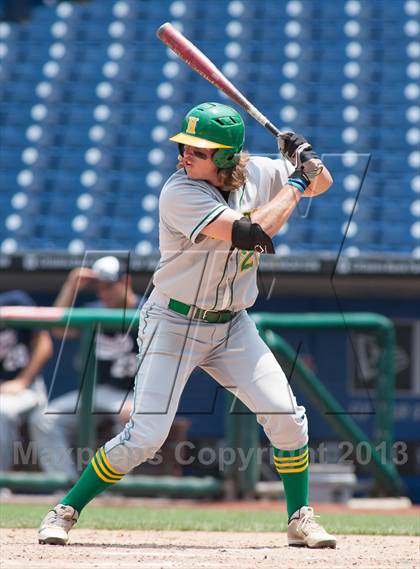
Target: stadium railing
241, 427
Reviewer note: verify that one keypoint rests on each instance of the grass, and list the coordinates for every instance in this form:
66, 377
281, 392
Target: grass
197, 519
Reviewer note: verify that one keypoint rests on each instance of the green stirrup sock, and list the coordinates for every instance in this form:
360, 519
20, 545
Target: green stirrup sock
293, 467
96, 477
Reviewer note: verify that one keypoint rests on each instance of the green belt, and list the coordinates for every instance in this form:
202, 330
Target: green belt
211, 316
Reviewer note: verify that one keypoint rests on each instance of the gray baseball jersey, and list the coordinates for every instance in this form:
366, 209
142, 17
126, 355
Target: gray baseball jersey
196, 269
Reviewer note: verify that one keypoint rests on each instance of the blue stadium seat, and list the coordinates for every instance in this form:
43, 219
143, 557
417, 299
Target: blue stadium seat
318, 100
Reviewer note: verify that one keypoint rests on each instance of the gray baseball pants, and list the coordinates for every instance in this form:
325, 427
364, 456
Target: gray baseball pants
170, 347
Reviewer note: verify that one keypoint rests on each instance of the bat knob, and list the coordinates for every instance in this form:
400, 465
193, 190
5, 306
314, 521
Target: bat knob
162, 29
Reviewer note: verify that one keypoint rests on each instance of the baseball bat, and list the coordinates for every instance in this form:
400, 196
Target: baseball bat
196, 59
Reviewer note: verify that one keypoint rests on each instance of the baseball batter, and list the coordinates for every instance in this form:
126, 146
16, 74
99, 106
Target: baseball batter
218, 214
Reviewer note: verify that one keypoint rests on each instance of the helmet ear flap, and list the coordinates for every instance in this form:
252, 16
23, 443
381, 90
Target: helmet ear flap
224, 158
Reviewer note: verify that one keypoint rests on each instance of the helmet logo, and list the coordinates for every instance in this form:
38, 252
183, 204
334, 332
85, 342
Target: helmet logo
192, 124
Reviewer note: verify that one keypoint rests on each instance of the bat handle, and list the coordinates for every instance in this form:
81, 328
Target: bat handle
273, 129
258, 116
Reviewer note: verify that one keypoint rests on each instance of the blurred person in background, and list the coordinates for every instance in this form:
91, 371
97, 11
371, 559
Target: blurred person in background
23, 353
54, 427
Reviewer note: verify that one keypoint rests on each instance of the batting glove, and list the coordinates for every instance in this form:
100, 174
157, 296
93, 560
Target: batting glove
295, 148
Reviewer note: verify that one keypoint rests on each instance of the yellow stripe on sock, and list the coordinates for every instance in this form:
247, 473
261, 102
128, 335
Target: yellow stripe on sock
291, 458
104, 470
293, 465
297, 463
99, 473
106, 467
106, 462
292, 470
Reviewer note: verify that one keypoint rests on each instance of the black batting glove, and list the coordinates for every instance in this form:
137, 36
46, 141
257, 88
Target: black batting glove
290, 142
307, 154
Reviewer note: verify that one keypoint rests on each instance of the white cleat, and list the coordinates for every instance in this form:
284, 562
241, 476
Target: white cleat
55, 527
304, 531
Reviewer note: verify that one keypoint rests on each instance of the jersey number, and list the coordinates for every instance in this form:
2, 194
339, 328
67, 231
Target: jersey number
247, 261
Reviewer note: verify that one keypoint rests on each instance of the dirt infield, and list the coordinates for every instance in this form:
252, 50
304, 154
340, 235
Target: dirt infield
204, 550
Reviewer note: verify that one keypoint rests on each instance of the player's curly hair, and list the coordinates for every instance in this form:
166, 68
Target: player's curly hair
234, 178
230, 178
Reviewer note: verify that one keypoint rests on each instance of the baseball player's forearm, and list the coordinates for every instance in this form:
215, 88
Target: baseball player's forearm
270, 216
320, 184
274, 214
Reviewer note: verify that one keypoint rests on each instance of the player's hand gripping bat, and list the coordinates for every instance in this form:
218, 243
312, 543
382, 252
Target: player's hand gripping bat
196, 59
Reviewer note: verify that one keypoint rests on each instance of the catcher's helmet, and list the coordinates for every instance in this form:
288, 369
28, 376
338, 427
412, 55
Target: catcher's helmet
213, 125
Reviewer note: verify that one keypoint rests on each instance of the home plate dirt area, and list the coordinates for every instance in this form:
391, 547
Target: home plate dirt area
187, 549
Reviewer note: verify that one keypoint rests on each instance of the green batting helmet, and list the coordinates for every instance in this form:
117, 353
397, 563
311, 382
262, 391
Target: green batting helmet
213, 125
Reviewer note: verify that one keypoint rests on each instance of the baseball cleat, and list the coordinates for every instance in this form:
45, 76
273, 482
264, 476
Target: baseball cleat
304, 531
55, 527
